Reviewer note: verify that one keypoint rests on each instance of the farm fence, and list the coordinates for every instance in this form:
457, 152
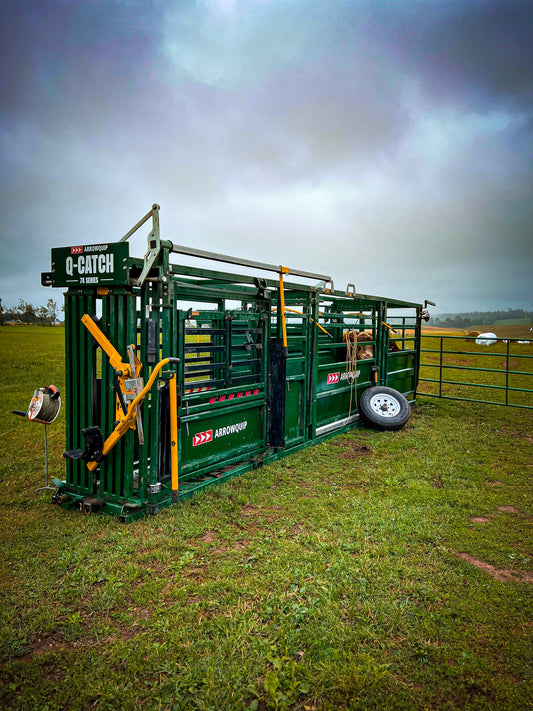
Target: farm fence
457, 368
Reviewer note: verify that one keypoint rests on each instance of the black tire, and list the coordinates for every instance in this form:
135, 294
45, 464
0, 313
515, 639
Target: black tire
384, 408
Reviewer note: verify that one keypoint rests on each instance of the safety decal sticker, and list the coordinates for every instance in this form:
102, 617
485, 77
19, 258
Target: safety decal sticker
338, 377
202, 438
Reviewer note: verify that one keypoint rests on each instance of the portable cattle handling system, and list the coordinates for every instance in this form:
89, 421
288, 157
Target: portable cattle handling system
178, 377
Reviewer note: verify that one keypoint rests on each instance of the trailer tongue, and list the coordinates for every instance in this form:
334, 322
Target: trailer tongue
240, 369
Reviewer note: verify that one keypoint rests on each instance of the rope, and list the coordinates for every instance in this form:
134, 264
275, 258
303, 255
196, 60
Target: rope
351, 366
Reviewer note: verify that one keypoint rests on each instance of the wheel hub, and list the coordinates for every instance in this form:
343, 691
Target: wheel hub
385, 405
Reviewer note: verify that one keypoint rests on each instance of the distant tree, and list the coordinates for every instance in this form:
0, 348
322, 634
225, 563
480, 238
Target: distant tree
51, 310
25, 312
41, 314
1, 313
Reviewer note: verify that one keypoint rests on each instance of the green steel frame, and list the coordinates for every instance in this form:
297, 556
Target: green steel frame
244, 398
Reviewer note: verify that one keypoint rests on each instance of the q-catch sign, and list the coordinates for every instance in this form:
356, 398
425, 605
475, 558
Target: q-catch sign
90, 265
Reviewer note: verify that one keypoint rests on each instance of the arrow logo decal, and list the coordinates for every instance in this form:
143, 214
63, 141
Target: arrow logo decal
202, 438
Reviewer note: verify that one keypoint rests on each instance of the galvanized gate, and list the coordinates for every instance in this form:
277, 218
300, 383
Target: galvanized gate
458, 368
238, 370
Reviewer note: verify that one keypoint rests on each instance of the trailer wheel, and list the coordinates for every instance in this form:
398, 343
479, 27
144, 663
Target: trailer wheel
384, 408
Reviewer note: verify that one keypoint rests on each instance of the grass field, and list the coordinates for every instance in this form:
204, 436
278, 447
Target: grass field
501, 329
373, 571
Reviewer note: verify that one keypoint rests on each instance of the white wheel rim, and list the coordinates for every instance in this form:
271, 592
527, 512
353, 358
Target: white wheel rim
385, 405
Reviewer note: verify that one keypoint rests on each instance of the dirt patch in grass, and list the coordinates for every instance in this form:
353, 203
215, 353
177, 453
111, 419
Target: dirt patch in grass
272, 513
501, 574
53, 672
240, 545
58, 643
511, 509
208, 537
479, 519
355, 451
142, 613
307, 486
296, 530
193, 600
513, 364
496, 482
196, 574
250, 510
47, 644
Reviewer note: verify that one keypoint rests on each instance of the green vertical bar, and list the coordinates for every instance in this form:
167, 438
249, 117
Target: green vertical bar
313, 370
418, 340
114, 471
265, 321
152, 441
131, 438
146, 410
507, 373
227, 350
72, 414
83, 390
306, 322
381, 342
107, 398
440, 366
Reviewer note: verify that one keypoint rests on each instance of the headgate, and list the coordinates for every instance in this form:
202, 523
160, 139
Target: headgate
180, 376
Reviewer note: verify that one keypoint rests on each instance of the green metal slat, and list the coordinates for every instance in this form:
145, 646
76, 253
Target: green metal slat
483, 402
476, 385
476, 369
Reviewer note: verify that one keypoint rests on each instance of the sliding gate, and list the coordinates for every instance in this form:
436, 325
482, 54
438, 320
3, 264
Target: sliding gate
223, 377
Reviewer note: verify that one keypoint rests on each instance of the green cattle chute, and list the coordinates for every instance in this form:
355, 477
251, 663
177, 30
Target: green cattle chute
258, 368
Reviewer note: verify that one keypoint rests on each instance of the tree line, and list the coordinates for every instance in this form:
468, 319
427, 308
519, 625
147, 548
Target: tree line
27, 313
474, 318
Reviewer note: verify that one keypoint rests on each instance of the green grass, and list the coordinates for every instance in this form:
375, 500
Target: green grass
328, 580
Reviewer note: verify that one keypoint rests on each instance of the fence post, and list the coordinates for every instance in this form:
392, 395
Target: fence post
440, 367
507, 374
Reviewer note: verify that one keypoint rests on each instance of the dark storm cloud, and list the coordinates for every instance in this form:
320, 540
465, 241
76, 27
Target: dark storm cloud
310, 132
477, 53
73, 56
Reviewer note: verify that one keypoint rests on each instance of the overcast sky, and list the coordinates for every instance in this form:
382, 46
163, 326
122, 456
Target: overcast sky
386, 143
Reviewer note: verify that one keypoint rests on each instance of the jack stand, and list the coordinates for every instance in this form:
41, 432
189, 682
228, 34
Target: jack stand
46, 486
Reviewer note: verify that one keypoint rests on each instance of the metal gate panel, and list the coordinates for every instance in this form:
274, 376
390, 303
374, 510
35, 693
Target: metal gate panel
401, 342
298, 366
453, 379
337, 384
119, 324
216, 435
222, 410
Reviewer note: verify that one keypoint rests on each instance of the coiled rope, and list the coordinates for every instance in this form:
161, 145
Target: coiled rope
351, 366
